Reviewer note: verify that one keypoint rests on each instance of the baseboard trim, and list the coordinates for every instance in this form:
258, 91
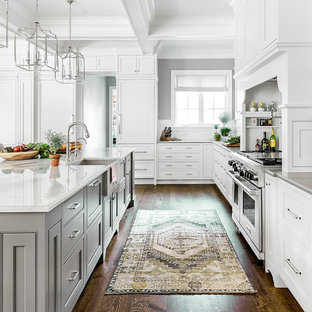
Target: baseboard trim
205, 181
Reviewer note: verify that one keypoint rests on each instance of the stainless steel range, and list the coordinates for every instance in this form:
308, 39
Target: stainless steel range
247, 176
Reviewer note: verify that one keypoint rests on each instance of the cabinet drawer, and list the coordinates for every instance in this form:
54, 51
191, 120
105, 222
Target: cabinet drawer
296, 269
181, 165
143, 152
72, 233
72, 278
183, 174
144, 169
93, 200
93, 245
178, 156
181, 148
296, 215
72, 207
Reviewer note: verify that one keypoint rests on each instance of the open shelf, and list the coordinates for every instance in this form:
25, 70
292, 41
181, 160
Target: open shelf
262, 127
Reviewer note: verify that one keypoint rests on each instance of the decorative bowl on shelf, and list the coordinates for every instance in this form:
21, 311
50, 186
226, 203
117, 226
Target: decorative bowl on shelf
19, 155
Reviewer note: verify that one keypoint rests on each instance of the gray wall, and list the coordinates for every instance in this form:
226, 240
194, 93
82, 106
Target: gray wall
164, 74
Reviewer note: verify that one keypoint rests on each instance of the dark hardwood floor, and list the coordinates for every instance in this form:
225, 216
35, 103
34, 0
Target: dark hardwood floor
194, 197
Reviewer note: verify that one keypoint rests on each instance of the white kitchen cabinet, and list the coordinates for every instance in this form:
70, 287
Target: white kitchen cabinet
270, 21
96, 63
137, 65
208, 161
56, 106
137, 110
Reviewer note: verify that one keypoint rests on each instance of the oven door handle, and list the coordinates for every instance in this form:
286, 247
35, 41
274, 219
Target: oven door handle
252, 192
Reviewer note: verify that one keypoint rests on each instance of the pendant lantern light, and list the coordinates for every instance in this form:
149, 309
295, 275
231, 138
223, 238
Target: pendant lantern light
38, 48
4, 33
72, 63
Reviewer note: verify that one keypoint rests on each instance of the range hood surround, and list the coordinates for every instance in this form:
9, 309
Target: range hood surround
292, 65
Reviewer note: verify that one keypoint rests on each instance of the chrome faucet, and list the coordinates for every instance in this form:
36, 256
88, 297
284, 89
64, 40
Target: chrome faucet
75, 123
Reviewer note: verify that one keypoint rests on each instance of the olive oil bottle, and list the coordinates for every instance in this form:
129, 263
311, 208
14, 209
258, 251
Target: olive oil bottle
265, 145
273, 142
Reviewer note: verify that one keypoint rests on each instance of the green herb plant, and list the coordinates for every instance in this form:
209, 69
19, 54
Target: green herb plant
55, 140
44, 149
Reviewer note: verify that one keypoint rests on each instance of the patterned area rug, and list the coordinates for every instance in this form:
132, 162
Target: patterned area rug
185, 252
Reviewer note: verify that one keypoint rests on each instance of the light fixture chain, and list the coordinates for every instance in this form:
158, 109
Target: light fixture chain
37, 10
70, 24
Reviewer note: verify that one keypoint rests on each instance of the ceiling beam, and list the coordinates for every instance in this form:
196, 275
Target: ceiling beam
141, 14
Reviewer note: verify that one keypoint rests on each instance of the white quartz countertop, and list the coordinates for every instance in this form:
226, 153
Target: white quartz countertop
34, 186
108, 153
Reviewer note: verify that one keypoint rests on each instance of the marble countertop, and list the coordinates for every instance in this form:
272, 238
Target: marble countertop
107, 153
37, 187
301, 180
186, 141
34, 186
229, 148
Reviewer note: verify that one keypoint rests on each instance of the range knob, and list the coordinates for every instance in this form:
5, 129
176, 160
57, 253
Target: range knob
231, 162
242, 173
235, 168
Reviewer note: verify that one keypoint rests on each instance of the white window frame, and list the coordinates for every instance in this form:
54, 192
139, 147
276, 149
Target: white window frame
175, 73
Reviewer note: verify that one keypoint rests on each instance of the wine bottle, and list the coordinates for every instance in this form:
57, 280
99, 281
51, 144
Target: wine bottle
257, 147
273, 142
265, 145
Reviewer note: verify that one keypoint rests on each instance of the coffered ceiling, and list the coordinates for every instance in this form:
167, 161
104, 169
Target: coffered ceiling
172, 28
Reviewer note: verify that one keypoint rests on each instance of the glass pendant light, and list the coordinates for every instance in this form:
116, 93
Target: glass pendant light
35, 48
72, 63
4, 33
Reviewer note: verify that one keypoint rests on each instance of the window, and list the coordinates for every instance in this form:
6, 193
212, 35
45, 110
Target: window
199, 97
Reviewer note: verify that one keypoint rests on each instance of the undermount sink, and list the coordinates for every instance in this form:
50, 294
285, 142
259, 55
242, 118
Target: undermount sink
96, 162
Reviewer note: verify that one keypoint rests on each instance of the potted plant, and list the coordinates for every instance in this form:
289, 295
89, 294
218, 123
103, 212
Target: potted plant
217, 135
55, 140
225, 118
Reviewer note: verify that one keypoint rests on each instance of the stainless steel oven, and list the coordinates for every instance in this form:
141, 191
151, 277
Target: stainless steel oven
247, 208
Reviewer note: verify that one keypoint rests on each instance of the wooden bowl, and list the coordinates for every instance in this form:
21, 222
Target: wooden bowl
19, 155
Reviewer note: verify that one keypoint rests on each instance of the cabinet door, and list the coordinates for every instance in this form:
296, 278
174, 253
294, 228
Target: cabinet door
93, 245
121, 201
146, 65
19, 272
114, 204
254, 28
137, 110
107, 222
56, 106
208, 161
127, 65
106, 63
128, 188
54, 267
91, 63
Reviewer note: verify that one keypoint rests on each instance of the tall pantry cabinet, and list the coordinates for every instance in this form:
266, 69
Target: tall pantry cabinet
137, 96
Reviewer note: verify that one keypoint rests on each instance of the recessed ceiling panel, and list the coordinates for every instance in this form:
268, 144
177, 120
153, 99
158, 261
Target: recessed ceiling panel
192, 8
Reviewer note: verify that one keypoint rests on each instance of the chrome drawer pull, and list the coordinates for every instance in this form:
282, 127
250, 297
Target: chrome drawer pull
189, 156
168, 156
189, 148
169, 148
74, 206
95, 183
141, 152
169, 174
168, 165
188, 174
139, 169
75, 274
293, 267
74, 234
294, 215
188, 165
